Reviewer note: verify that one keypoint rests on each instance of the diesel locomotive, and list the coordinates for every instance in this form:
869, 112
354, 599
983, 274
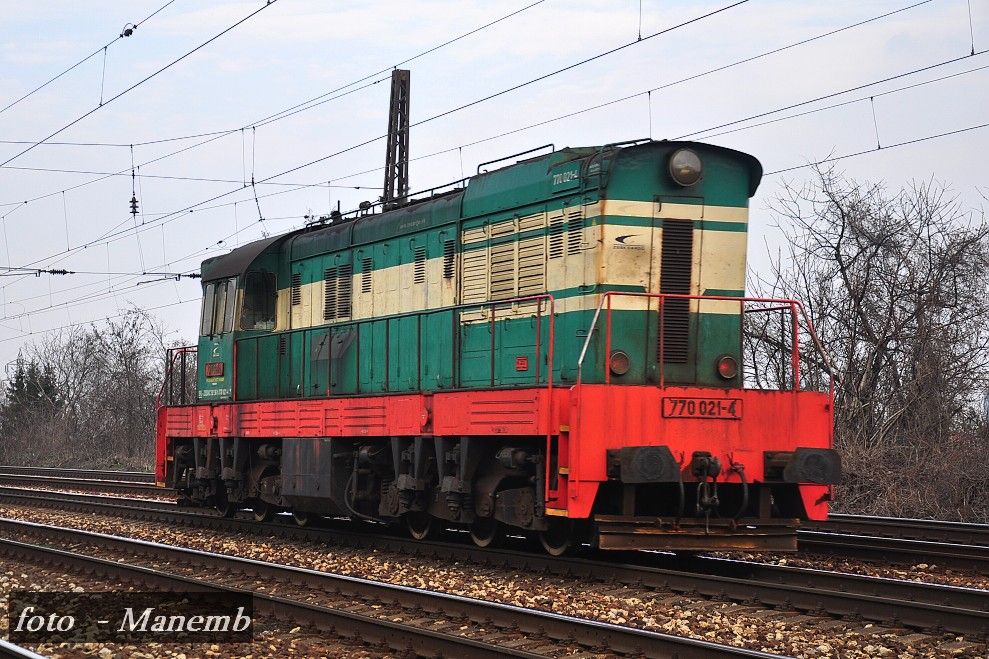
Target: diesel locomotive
551, 348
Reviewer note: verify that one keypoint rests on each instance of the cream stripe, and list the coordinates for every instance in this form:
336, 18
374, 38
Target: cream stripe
651, 209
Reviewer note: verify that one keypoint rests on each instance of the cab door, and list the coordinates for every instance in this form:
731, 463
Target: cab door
215, 363
293, 351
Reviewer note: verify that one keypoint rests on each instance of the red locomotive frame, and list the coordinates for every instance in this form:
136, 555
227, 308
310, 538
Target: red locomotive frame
583, 424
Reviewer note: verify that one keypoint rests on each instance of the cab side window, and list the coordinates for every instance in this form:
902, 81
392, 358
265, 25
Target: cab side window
219, 305
209, 295
260, 293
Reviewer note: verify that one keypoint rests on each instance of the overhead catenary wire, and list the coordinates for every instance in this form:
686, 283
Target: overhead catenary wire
101, 49
115, 231
220, 242
90, 322
912, 141
904, 143
769, 173
673, 83
888, 147
745, 59
9, 271
140, 82
281, 114
929, 67
197, 179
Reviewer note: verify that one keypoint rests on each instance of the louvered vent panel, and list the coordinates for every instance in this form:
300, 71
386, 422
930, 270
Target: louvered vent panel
474, 261
505, 228
281, 345
296, 289
675, 270
449, 254
329, 294
532, 256
419, 266
556, 228
474, 234
532, 266
338, 286
367, 266
575, 231
530, 222
502, 271
345, 290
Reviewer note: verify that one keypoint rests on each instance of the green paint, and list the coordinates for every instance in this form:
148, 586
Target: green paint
436, 349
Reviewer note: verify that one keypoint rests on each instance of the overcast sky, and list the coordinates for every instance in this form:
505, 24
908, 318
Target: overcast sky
295, 50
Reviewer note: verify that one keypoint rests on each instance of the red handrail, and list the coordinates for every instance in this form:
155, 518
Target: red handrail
170, 357
793, 305
494, 304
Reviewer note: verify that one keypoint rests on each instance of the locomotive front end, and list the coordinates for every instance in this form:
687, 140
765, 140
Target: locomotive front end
702, 418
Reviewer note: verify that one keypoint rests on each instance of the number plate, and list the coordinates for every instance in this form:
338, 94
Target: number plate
702, 408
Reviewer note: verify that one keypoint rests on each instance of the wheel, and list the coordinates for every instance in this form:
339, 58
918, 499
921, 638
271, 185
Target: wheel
263, 511
557, 538
485, 532
420, 524
301, 518
227, 508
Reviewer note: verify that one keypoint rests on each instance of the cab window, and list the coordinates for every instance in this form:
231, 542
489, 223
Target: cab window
219, 304
231, 306
260, 293
206, 328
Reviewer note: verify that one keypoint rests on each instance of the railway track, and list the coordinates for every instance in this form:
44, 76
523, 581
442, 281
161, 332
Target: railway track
930, 530
8, 649
899, 603
958, 533
83, 483
91, 474
904, 541
351, 606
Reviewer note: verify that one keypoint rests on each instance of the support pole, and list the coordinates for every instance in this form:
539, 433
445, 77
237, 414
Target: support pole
396, 187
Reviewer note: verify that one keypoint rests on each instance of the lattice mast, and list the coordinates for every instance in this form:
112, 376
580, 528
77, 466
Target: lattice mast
396, 187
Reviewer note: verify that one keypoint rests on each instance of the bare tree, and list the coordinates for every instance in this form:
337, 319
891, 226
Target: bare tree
896, 284
105, 379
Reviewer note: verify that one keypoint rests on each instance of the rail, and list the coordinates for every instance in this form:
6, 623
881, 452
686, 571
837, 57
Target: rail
795, 308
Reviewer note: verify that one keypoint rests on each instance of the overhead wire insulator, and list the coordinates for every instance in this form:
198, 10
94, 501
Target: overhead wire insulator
133, 185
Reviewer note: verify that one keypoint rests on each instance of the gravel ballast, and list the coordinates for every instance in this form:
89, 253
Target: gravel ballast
721, 622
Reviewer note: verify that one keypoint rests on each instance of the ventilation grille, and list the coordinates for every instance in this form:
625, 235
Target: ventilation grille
675, 269
532, 256
575, 231
281, 345
449, 253
367, 265
556, 229
419, 269
337, 292
296, 289
502, 271
474, 278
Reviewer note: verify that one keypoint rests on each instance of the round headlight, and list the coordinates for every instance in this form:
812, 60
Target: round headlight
619, 363
727, 367
686, 167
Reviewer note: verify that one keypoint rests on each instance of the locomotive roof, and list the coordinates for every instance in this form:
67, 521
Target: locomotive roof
484, 193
